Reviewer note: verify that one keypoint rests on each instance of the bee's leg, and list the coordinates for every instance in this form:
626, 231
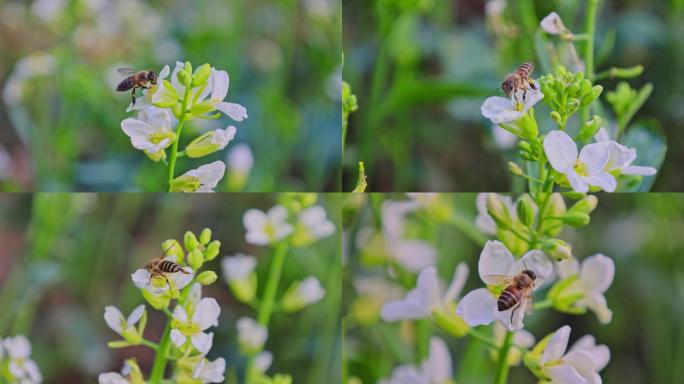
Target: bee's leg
167, 281
524, 95
513, 312
532, 85
133, 96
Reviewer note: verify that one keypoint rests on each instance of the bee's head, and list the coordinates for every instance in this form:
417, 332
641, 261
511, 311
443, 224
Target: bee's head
507, 87
530, 273
152, 77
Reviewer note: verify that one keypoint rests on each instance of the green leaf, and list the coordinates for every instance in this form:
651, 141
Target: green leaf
647, 137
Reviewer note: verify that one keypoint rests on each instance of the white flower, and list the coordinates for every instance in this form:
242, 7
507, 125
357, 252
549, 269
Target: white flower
130, 374
203, 179
553, 24
484, 222
310, 290
428, 296
621, 157
240, 159
436, 369
251, 335
205, 315
238, 267
580, 365
157, 286
583, 170
263, 361
118, 323
501, 110
21, 367
479, 307
150, 132
210, 371
216, 90
521, 338
264, 228
594, 277
312, 226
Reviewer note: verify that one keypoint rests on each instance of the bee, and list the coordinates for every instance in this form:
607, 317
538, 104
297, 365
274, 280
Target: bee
135, 79
159, 267
518, 291
519, 80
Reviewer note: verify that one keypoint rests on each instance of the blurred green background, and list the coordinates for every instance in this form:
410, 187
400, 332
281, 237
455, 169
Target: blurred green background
66, 256
640, 232
421, 69
60, 119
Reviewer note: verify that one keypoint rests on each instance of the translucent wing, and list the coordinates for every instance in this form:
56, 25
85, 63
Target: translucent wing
497, 279
528, 302
126, 71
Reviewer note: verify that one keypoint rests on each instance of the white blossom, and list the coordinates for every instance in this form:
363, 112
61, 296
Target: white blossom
502, 110
157, 286
118, 323
20, 365
265, 228
151, 132
240, 159
205, 315
313, 225
583, 169
594, 277
251, 335
479, 307
210, 371
620, 157
553, 24
580, 365
238, 267
436, 369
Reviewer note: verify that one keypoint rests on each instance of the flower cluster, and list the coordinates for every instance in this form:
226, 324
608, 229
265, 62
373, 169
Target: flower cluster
296, 222
170, 102
16, 365
526, 259
174, 278
581, 153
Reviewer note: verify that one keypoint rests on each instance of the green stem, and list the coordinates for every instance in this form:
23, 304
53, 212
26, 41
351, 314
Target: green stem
592, 8
501, 372
423, 342
476, 334
150, 344
268, 301
179, 130
548, 303
157, 375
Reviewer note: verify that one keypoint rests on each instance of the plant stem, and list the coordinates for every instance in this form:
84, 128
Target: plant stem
161, 356
268, 301
179, 130
501, 372
150, 344
590, 27
476, 334
543, 304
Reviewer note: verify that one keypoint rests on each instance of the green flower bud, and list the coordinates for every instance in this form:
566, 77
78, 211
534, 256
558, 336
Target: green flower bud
184, 78
525, 209
199, 109
185, 183
165, 96
157, 302
207, 277
190, 241
450, 323
590, 128
173, 248
556, 117
515, 169
498, 211
188, 68
201, 75
575, 219
244, 289
557, 249
585, 205
554, 208
195, 259
212, 250
205, 236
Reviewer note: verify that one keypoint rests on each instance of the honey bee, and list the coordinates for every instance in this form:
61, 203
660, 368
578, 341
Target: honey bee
518, 291
135, 79
519, 80
159, 267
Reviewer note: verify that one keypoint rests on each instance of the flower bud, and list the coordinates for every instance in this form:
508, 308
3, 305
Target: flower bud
205, 236
184, 78
515, 169
244, 289
212, 250
201, 75
525, 209
190, 241
207, 277
498, 211
185, 183
450, 323
556, 117
585, 205
210, 142
195, 259
187, 68
575, 219
590, 128
173, 248
164, 96
557, 249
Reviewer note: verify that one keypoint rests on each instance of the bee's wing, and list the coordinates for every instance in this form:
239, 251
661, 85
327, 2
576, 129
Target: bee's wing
126, 71
528, 301
497, 279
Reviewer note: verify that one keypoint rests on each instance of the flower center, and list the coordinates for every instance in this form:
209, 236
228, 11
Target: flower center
519, 106
157, 137
581, 168
270, 231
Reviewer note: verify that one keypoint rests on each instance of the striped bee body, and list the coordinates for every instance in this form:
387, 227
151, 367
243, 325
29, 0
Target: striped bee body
169, 266
519, 290
134, 80
159, 267
519, 80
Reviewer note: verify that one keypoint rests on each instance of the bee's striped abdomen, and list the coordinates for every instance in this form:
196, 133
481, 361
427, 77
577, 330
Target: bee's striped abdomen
509, 298
169, 266
525, 69
126, 84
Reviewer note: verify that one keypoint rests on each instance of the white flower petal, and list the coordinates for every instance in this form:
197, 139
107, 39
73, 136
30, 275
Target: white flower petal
418, 302
595, 156
177, 338
639, 170
561, 150
136, 314
495, 260
600, 354
235, 111
141, 278
207, 313
111, 378
180, 314
537, 262
597, 273
477, 307
553, 24
113, 318
577, 182
457, 282
512, 318
557, 345
499, 110
263, 361
203, 341
238, 267
414, 255
596, 302
438, 364
583, 364
564, 374
602, 179
220, 84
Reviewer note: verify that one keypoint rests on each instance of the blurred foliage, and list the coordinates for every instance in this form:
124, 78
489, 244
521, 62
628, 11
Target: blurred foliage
640, 232
62, 112
421, 69
72, 254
